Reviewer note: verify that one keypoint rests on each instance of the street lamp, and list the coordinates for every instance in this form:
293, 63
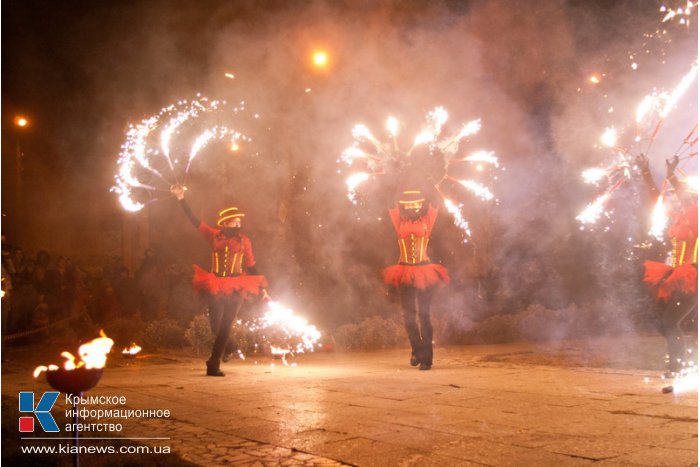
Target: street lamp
320, 59
21, 121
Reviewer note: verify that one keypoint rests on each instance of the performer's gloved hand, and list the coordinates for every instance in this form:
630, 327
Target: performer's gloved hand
671, 165
178, 191
643, 162
265, 296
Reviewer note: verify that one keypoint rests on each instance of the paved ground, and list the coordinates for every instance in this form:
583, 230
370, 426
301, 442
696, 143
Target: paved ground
480, 405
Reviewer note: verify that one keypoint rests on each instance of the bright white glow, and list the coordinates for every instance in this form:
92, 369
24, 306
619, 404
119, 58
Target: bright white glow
659, 219
456, 211
392, 125
594, 210
609, 137
594, 175
353, 181
477, 188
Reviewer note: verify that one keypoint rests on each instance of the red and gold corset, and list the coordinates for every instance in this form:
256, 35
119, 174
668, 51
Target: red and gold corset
413, 249
413, 236
683, 252
229, 254
227, 261
684, 236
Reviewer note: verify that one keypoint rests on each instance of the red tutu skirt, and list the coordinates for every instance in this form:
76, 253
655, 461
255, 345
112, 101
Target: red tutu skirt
244, 285
667, 280
420, 276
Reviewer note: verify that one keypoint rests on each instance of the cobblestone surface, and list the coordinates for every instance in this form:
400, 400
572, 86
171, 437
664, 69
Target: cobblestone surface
373, 409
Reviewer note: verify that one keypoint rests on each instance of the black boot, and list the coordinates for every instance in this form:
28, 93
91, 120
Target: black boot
414, 360
213, 370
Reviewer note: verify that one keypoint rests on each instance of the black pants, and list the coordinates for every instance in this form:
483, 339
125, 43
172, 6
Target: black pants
216, 314
223, 310
671, 315
416, 307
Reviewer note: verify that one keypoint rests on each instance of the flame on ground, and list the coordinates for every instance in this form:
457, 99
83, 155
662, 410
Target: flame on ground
93, 355
133, 349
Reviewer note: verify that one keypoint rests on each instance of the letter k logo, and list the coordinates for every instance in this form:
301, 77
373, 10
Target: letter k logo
42, 411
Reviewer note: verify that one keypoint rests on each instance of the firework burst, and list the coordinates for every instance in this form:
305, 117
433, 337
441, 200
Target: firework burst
649, 117
159, 150
431, 160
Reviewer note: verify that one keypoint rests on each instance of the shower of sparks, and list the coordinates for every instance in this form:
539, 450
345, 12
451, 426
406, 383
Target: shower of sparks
683, 12
650, 114
594, 210
297, 335
477, 188
661, 104
594, 175
369, 158
659, 219
159, 150
456, 211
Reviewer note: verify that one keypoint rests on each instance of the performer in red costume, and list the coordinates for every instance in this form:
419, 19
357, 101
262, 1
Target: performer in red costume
415, 276
233, 277
674, 283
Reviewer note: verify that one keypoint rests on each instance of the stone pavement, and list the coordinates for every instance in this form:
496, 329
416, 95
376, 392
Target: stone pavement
480, 405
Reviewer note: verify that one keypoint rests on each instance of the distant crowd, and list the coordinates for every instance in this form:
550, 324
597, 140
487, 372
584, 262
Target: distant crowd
46, 290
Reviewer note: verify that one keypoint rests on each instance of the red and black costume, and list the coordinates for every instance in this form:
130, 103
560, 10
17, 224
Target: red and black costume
233, 278
230, 258
680, 273
674, 283
415, 276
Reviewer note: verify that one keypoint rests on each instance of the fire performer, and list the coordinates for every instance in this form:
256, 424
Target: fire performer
674, 283
233, 278
415, 276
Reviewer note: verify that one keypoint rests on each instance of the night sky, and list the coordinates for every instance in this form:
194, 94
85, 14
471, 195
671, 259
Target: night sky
82, 71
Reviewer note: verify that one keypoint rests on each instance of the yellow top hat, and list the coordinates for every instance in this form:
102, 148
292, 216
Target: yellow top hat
411, 196
229, 213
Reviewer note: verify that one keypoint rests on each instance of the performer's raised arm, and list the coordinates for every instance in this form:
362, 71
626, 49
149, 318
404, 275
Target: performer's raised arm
179, 192
652, 189
671, 165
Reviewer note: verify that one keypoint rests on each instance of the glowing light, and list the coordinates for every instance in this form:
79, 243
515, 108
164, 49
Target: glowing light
482, 156
595, 79
477, 188
594, 210
353, 182
692, 183
594, 175
459, 220
294, 327
133, 349
662, 103
320, 58
229, 75
392, 125
609, 137
659, 219
21, 121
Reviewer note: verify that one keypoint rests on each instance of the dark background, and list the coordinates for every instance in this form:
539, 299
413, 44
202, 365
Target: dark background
82, 71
